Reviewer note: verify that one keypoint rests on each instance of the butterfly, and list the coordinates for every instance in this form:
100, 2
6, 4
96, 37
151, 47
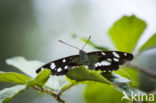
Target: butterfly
106, 61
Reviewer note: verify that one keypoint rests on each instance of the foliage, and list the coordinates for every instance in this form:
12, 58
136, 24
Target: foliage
8, 93
41, 79
12, 77
98, 93
126, 32
82, 74
151, 43
101, 86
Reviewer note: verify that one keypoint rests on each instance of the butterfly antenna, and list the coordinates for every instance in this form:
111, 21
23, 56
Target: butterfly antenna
86, 42
69, 44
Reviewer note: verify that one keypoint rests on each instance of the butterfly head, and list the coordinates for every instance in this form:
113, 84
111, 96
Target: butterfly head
82, 52
83, 55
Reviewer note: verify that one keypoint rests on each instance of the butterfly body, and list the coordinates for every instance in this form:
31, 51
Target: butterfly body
97, 60
83, 56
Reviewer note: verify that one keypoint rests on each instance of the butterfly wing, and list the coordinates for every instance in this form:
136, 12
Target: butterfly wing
98, 60
60, 66
108, 60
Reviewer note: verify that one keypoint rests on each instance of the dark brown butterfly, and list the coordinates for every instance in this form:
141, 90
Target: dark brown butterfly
98, 60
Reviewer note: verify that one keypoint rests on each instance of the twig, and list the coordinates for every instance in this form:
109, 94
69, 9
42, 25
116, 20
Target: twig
52, 93
63, 90
143, 69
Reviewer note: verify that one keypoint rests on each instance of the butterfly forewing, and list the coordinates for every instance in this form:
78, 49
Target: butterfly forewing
108, 60
60, 66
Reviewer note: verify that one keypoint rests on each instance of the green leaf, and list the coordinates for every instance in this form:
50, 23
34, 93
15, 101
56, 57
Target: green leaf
56, 82
151, 43
98, 47
28, 67
129, 73
115, 78
98, 93
13, 77
121, 83
107, 93
41, 78
8, 93
81, 74
126, 32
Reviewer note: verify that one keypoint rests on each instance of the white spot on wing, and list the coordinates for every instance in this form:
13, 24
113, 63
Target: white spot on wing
125, 54
109, 59
52, 66
104, 71
105, 63
116, 54
86, 66
96, 65
109, 71
66, 67
116, 60
59, 69
63, 60
103, 53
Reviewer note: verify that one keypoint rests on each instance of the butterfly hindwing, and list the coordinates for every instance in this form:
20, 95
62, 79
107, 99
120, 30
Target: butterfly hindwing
108, 60
60, 66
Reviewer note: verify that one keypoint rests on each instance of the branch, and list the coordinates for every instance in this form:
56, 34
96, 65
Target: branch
52, 93
143, 69
63, 90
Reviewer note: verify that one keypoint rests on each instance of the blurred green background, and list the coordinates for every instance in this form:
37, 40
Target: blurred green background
31, 29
